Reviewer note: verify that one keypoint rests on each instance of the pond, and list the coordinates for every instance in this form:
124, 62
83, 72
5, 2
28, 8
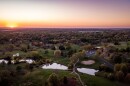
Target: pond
22, 60
5, 61
87, 71
90, 53
62, 67
55, 66
27, 60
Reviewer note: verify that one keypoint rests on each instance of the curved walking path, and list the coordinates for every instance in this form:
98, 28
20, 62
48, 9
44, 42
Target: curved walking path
74, 71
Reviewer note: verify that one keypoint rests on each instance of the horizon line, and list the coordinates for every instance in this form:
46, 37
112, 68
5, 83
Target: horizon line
65, 27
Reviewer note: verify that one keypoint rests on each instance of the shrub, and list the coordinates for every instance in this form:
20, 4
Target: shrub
57, 53
53, 80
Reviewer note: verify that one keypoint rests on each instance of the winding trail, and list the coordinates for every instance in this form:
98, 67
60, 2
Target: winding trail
74, 71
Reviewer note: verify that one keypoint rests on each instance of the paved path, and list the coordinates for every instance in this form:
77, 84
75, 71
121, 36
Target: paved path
111, 66
74, 71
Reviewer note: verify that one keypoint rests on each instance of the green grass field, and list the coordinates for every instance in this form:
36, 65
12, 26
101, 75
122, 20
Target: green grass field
96, 81
42, 75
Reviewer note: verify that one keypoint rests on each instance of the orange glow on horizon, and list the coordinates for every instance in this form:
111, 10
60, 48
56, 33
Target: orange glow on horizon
61, 24
62, 13
11, 25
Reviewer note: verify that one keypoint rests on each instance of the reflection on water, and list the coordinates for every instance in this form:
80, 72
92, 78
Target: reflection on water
87, 71
2, 60
27, 60
55, 66
62, 67
22, 60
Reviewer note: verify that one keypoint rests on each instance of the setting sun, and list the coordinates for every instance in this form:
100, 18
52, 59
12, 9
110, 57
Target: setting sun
11, 25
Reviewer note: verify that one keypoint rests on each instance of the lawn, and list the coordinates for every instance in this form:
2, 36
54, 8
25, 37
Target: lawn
96, 81
61, 60
41, 75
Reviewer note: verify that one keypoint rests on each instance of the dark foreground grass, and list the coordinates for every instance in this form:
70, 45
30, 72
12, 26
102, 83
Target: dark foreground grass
40, 77
96, 81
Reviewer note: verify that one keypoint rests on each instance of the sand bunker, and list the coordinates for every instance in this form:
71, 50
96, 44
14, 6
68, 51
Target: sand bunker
88, 62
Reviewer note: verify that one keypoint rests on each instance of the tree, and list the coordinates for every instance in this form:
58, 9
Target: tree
83, 40
111, 49
57, 53
8, 56
103, 67
70, 66
124, 68
10, 47
98, 52
34, 55
29, 67
120, 75
117, 67
53, 48
70, 52
128, 49
24, 47
116, 43
117, 58
61, 47
68, 47
53, 80
83, 53
88, 47
74, 58
46, 52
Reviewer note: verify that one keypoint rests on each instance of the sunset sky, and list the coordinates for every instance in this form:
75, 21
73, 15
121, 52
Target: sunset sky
65, 13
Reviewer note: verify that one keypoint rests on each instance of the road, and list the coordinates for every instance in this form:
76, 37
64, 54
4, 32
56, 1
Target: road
111, 66
104, 61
